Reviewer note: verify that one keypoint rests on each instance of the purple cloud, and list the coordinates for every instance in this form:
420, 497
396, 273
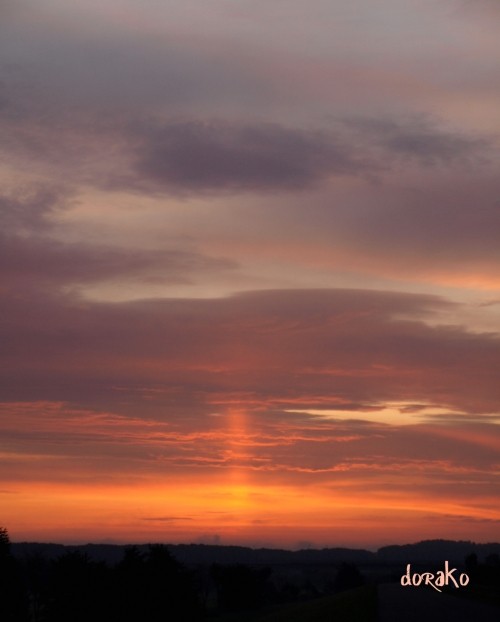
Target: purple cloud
290, 348
419, 138
201, 156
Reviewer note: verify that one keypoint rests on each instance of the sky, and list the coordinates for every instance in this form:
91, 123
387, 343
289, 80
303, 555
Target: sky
250, 271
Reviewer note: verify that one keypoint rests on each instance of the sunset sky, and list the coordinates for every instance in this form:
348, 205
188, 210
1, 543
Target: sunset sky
250, 271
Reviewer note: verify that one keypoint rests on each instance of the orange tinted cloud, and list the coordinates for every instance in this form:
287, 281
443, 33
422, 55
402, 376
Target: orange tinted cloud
105, 475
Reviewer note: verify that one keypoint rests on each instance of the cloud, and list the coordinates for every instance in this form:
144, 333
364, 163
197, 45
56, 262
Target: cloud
199, 156
486, 9
225, 147
277, 347
64, 444
42, 262
31, 258
30, 210
166, 519
419, 138
106, 114
439, 230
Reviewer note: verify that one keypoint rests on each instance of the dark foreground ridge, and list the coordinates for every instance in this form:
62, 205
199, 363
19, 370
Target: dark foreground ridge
396, 603
214, 583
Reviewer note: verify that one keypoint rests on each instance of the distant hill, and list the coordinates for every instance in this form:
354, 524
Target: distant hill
194, 554
436, 550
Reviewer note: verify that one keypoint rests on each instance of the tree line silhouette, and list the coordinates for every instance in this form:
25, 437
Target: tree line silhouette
150, 584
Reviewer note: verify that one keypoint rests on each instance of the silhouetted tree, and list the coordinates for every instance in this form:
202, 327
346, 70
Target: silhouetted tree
79, 590
35, 569
155, 586
4, 543
171, 588
487, 574
13, 596
348, 577
471, 563
493, 559
131, 585
241, 587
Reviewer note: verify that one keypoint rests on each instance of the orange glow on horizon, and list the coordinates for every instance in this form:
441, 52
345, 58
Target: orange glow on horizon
234, 512
243, 478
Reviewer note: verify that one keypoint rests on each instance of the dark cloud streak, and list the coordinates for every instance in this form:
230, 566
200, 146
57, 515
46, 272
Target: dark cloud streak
199, 156
206, 156
345, 345
421, 139
43, 262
